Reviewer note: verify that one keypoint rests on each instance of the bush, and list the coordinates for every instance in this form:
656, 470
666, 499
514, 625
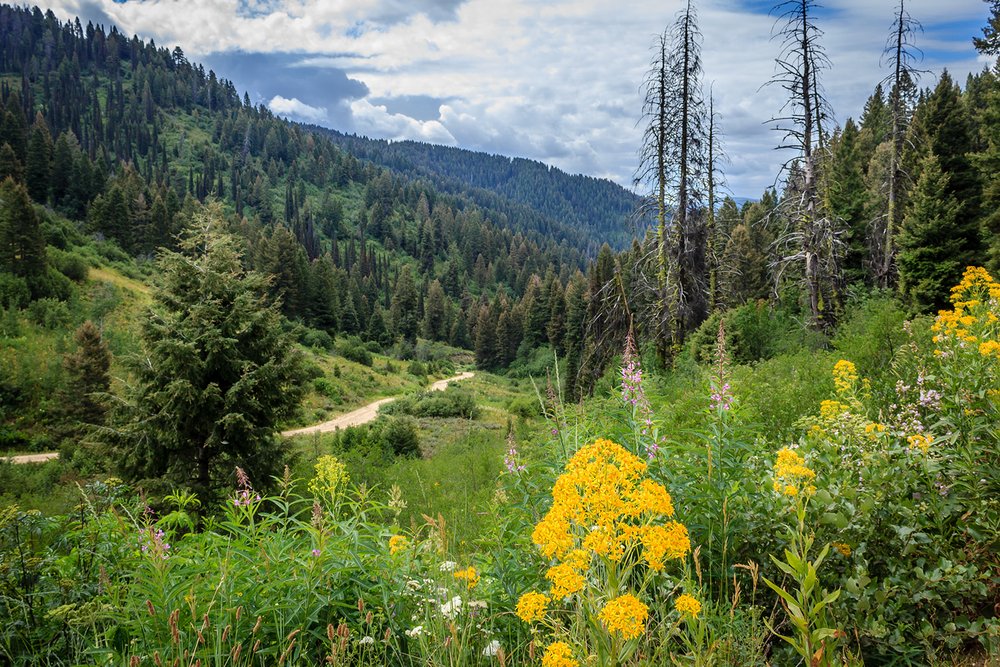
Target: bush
325, 387
316, 339
69, 264
525, 407
399, 435
14, 292
452, 402
417, 369
50, 313
356, 353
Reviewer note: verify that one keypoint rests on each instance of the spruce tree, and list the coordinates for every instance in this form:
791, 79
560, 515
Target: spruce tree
217, 373
22, 246
38, 161
404, 310
932, 248
83, 398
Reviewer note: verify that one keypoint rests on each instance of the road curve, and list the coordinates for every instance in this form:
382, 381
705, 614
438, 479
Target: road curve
367, 413
32, 458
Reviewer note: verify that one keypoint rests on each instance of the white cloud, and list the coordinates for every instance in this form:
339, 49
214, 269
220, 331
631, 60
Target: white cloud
556, 81
296, 109
376, 120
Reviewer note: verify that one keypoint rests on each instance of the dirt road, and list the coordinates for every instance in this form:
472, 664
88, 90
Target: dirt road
32, 458
367, 413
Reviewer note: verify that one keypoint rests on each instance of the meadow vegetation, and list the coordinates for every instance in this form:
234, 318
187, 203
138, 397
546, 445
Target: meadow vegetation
816, 502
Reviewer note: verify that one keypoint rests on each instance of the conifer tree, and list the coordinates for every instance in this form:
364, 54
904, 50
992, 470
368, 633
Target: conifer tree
932, 248
38, 161
88, 380
22, 246
217, 374
405, 309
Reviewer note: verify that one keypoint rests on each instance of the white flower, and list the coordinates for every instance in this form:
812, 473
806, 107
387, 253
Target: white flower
452, 607
448, 566
492, 648
413, 584
477, 604
366, 640
415, 631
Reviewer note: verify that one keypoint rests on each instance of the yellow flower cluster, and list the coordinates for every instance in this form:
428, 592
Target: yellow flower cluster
396, 544
531, 607
832, 410
469, 576
972, 320
602, 503
625, 615
559, 654
919, 441
331, 476
844, 376
844, 549
686, 604
791, 476
565, 579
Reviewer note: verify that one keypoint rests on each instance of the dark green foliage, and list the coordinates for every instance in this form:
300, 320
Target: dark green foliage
84, 396
452, 402
216, 376
933, 250
846, 197
22, 246
399, 436
405, 309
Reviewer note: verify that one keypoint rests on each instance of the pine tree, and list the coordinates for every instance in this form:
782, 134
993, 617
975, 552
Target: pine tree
217, 374
932, 248
38, 161
22, 246
435, 324
88, 380
10, 166
405, 310
845, 199
487, 357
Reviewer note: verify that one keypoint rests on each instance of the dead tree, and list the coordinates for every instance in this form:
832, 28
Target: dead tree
798, 66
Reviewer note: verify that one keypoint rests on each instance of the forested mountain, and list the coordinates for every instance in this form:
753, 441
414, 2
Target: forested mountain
126, 139
531, 194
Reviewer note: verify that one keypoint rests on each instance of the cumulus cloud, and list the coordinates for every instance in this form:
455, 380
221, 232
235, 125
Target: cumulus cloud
376, 120
296, 109
553, 80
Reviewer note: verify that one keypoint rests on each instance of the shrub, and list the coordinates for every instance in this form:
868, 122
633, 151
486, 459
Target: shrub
356, 353
399, 435
14, 292
316, 339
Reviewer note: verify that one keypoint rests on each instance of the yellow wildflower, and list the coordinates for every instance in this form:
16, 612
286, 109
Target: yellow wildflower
331, 476
990, 348
469, 575
844, 376
791, 474
396, 544
688, 605
654, 499
625, 615
531, 607
844, 549
919, 441
832, 410
559, 654
661, 543
565, 581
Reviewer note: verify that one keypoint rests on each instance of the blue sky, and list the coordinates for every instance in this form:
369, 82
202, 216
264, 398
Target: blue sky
555, 80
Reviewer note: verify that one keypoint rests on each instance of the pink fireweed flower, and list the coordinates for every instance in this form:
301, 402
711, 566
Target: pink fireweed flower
721, 397
510, 458
633, 394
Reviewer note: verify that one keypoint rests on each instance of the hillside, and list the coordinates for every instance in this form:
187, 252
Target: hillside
524, 190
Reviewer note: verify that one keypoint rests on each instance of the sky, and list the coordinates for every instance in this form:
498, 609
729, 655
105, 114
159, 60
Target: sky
552, 80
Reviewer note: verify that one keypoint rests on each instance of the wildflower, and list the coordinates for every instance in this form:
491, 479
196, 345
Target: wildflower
565, 581
510, 458
661, 543
721, 396
625, 615
531, 607
448, 566
469, 575
367, 640
396, 544
919, 441
845, 374
316, 552
791, 474
687, 605
331, 477
491, 649
415, 631
452, 607
844, 549
559, 654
